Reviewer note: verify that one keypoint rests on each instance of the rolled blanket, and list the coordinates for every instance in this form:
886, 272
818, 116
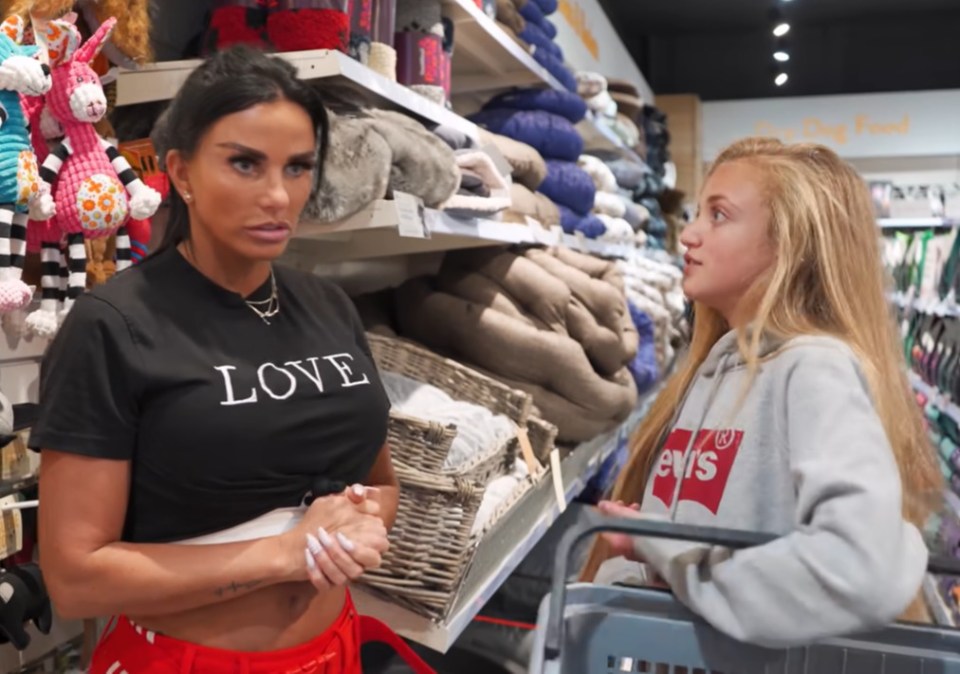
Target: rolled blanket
601, 174
478, 164
610, 205
551, 135
569, 185
532, 13
356, 172
556, 68
604, 106
617, 229
628, 174
456, 139
549, 28
422, 164
509, 15
563, 103
533, 35
548, 7
631, 213
527, 166
644, 367
531, 204
589, 225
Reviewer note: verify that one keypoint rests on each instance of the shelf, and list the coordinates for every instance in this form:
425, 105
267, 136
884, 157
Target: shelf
938, 607
933, 395
486, 58
933, 307
915, 223
376, 232
161, 81
517, 534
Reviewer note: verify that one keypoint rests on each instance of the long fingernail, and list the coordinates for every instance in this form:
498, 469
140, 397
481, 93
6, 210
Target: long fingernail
346, 542
325, 538
313, 545
358, 490
311, 562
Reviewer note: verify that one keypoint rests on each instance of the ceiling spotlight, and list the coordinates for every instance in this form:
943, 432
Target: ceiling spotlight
781, 29
781, 79
781, 56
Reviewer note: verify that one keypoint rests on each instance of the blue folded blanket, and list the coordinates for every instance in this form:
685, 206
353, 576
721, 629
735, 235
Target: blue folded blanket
551, 135
563, 103
556, 68
590, 225
532, 34
644, 367
548, 27
548, 7
532, 12
568, 185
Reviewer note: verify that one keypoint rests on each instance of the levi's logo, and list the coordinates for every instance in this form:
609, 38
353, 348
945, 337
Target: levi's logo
703, 475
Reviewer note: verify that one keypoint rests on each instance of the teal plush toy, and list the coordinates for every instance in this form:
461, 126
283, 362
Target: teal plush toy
20, 186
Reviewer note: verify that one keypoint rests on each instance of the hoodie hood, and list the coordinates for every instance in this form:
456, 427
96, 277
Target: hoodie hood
725, 354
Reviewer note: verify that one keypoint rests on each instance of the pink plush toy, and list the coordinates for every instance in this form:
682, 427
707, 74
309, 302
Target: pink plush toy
92, 178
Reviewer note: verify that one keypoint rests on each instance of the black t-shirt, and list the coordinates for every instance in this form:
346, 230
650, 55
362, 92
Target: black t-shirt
223, 417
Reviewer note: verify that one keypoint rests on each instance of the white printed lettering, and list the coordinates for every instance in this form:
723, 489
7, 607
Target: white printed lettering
314, 376
228, 385
678, 455
345, 371
707, 466
666, 460
267, 389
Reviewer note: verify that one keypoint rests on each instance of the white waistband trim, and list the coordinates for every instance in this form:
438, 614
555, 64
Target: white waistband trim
273, 523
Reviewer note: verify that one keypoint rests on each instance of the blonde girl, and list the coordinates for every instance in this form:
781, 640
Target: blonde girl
791, 415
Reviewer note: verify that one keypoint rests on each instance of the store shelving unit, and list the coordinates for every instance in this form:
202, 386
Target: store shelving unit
161, 81
916, 223
507, 544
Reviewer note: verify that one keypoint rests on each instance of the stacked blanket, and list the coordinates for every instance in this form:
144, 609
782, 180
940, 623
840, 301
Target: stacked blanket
553, 323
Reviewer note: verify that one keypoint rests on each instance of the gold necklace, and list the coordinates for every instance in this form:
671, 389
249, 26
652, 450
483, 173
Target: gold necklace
271, 305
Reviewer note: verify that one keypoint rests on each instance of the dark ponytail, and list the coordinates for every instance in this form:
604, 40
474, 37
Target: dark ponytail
230, 81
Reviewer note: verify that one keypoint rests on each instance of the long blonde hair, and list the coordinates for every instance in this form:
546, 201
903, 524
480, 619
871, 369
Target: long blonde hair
827, 279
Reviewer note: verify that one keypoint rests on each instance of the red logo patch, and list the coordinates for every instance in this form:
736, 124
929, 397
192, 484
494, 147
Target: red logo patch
702, 470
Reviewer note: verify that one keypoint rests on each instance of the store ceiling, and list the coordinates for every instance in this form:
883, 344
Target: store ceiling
722, 49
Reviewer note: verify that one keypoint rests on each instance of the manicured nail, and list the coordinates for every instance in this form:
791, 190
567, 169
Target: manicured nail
311, 562
358, 490
313, 545
325, 538
346, 542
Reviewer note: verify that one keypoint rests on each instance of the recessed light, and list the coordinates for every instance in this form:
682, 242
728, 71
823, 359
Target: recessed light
781, 56
781, 79
781, 29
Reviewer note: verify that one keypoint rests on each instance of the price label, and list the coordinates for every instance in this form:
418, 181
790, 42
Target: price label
557, 474
410, 222
526, 449
11, 528
14, 462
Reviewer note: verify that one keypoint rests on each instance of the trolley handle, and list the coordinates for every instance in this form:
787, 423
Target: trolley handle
595, 524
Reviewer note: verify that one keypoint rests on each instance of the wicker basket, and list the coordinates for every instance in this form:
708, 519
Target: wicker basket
430, 544
543, 438
424, 445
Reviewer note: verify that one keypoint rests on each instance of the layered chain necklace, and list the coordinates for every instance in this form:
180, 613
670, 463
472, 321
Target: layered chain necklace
265, 309
270, 307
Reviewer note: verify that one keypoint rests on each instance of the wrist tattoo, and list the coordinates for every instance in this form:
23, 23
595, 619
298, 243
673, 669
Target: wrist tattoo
235, 587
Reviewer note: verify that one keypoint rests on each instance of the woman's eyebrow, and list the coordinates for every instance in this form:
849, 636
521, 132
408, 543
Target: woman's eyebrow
244, 149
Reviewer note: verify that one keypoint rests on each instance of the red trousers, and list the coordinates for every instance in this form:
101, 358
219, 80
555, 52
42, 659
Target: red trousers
129, 649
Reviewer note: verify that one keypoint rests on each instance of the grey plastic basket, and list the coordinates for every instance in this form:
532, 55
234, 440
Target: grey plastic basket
593, 629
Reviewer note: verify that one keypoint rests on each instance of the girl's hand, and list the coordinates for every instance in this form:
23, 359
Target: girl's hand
367, 497
621, 545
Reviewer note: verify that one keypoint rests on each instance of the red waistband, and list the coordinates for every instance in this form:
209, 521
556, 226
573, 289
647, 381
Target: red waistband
337, 650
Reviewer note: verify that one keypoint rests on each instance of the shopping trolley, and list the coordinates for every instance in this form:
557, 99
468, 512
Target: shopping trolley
592, 629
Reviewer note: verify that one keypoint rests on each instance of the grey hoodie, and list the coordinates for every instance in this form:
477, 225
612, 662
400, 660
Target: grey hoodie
805, 457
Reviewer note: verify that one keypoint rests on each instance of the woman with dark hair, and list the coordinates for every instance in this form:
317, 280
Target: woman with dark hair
215, 467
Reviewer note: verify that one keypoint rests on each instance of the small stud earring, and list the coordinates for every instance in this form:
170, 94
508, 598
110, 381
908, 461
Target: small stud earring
187, 197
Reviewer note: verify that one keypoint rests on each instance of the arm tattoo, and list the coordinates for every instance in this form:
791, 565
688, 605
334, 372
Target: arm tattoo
234, 587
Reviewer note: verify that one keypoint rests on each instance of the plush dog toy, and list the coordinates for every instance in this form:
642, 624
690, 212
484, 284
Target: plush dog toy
92, 178
20, 187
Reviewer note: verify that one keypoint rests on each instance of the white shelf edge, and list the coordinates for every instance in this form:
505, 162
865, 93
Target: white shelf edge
161, 81
915, 223
441, 636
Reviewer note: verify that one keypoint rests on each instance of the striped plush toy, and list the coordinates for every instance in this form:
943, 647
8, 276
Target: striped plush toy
20, 187
92, 179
